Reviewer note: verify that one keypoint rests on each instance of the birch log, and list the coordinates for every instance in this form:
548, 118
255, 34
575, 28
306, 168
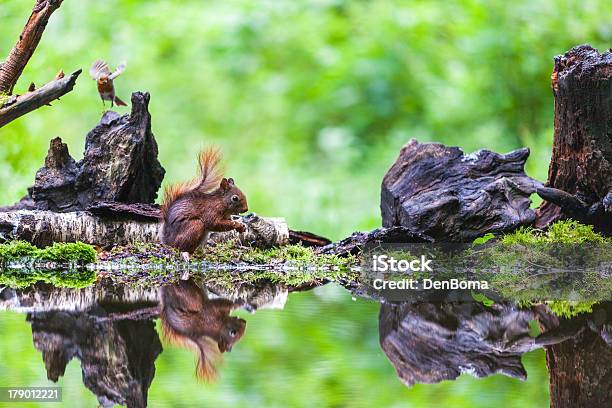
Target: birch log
45, 227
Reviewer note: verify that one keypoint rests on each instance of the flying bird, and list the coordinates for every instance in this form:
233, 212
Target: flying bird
103, 76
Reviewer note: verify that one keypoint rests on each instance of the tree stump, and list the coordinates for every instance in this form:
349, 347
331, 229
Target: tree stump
119, 165
581, 162
580, 368
580, 186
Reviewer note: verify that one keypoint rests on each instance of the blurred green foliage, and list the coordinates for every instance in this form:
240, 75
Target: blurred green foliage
310, 100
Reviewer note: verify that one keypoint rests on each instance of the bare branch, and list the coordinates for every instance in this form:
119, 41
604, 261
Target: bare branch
18, 106
570, 204
11, 69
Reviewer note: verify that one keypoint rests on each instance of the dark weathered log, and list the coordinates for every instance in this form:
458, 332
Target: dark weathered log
307, 239
581, 163
117, 358
443, 193
428, 342
135, 211
12, 67
18, 106
120, 161
45, 227
119, 165
358, 240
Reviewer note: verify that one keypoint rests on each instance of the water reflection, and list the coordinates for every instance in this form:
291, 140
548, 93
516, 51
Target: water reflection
190, 319
431, 342
117, 357
111, 331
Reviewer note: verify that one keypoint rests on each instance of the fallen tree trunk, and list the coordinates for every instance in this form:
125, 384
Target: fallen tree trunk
581, 163
138, 302
42, 228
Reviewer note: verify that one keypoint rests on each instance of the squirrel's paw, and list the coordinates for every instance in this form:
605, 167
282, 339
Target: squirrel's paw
240, 227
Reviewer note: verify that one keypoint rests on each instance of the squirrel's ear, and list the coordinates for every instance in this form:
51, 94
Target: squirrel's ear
231, 181
224, 184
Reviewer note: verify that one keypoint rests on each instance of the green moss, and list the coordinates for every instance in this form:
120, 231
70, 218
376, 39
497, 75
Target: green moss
232, 252
77, 252
16, 250
572, 232
64, 252
569, 309
3, 97
286, 276
564, 262
560, 232
482, 298
522, 236
71, 278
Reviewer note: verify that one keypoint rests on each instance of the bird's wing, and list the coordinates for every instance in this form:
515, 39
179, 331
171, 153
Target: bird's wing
99, 69
118, 71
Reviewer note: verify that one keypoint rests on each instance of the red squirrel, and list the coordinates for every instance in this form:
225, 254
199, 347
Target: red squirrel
192, 210
190, 319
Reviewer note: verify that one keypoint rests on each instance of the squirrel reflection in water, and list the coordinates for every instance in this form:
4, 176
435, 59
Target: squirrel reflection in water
190, 319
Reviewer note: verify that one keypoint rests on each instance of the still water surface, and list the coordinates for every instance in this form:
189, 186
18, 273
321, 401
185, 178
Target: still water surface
313, 348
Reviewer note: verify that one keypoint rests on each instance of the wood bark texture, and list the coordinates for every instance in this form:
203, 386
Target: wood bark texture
580, 368
12, 67
581, 162
45, 227
18, 106
117, 358
119, 165
443, 193
429, 342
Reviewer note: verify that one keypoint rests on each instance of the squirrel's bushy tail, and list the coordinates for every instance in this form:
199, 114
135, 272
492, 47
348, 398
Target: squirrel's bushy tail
209, 179
204, 347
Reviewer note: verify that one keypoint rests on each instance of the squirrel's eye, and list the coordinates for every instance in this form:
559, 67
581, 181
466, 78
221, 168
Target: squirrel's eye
235, 198
232, 332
